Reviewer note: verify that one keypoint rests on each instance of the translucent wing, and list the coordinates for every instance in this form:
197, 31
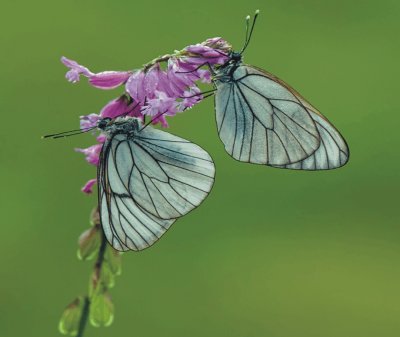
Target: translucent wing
166, 175
262, 120
147, 180
333, 151
126, 225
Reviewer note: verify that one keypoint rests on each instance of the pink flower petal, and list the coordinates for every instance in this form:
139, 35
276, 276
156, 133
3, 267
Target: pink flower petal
160, 119
73, 75
203, 53
89, 121
135, 87
115, 108
101, 138
109, 79
218, 43
164, 84
161, 104
88, 188
191, 97
151, 81
92, 153
205, 75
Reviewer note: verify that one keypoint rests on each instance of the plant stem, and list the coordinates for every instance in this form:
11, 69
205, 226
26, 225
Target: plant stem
97, 266
102, 249
84, 317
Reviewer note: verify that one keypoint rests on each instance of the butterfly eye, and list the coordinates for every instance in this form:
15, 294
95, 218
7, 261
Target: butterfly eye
103, 123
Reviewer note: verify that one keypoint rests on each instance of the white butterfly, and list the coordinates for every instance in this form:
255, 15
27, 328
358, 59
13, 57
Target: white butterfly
262, 120
147, 179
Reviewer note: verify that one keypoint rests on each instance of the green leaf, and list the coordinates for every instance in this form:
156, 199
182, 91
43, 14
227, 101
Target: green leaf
89, 243
113, 259
101, 310
70, 319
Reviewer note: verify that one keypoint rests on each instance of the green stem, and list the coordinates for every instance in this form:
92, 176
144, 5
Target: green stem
98, 264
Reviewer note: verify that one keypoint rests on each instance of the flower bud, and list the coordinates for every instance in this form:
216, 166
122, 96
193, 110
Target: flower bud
88, 187
89, 243
70, 319
107, 277
95, 217
101, 310
113, 259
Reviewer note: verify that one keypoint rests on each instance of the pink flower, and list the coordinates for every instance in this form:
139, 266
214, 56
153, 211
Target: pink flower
91, 153
164, 84
121, 106
89, 186
141, 86
103, 80
212, 51
205, 75
135, 87
190, 98
89, 121
160, 119
161, 104
109, 79
116, 107
75, 71
179, 78
219, 44
101, 138
205, 51
152, 91
151, 80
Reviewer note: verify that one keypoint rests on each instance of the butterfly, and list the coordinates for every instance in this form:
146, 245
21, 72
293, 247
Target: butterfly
262, 120
147, 179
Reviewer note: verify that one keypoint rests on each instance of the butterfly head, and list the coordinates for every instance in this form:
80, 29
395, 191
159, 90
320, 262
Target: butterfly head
103, 123
235, 57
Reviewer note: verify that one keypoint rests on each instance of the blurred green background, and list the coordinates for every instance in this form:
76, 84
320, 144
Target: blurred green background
271, 252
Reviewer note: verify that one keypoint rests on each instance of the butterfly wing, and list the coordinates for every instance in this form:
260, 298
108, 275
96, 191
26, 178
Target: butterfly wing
146, 182
333, 151
262, 120
171, 175
126, 225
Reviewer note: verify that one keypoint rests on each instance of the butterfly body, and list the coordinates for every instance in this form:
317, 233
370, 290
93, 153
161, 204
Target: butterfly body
123, 125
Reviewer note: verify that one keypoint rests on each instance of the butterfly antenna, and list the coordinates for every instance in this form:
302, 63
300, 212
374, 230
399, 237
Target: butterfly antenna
152, 120
69, 133
247, 30
249, 34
